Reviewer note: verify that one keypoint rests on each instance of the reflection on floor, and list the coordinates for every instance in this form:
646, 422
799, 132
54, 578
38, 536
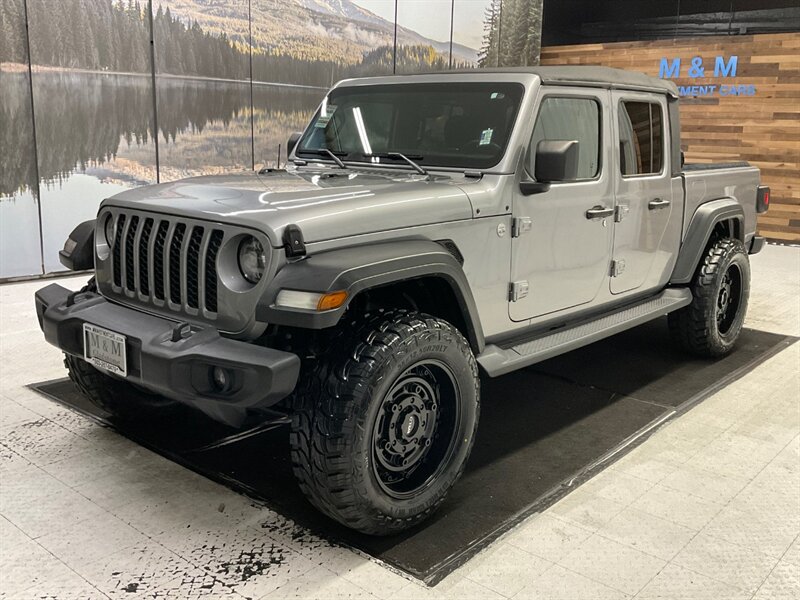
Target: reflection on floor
707, 507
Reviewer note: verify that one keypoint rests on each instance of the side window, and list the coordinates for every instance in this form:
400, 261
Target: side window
641, 138
570, 119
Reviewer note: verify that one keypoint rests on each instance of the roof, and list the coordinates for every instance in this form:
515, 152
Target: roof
594, 76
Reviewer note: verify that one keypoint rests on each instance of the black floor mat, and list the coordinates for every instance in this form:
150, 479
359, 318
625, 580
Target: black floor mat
543, 431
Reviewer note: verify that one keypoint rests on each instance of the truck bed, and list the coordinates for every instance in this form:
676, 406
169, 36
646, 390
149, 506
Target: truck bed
705, 182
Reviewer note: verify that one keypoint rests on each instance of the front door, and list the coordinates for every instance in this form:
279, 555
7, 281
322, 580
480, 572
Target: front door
643, 191
561, 247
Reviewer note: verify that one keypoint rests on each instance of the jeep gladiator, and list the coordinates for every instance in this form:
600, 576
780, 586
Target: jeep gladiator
427, 228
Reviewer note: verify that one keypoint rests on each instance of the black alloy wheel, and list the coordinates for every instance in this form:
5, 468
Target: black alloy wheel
414, 432
729, 299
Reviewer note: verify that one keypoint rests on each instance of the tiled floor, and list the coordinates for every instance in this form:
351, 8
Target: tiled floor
708, 507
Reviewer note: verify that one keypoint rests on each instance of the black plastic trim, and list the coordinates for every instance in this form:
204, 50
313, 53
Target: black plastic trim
358, 268
81, 256
757, 244
702, 224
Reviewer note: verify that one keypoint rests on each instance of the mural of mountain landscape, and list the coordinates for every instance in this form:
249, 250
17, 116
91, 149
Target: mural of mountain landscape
232, 80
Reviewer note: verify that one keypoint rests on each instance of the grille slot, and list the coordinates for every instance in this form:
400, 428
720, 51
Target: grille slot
175, 247
166, 261
118, 250
211, 270
158, 259
129, 237
193, 267
144, 257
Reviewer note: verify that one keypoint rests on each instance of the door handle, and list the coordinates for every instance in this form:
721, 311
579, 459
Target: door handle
657, 203
599, 212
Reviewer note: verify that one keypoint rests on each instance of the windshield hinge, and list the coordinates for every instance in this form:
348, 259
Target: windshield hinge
520, 225
293, 242
473, 174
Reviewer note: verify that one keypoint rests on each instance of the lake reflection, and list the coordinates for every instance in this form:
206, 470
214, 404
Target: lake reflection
94, 138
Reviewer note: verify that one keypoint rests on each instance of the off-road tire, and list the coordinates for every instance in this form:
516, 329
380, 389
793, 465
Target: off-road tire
342, 401
697, 328
114, 396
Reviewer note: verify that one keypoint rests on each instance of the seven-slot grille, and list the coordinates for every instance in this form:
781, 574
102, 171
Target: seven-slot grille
166, 261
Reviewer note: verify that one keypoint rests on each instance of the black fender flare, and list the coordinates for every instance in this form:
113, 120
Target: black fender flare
358, 268
705, 218
78, 251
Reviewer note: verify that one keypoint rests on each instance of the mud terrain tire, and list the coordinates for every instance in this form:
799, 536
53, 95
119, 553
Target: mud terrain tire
384, 422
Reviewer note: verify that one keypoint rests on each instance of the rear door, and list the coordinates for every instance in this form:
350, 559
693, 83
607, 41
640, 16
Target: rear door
560, 254
643, 191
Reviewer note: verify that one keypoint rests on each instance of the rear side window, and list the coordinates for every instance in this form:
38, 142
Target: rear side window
641, 138
570, 119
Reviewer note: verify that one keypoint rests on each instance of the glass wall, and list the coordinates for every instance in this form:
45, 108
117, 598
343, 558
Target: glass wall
232, 81
20, 243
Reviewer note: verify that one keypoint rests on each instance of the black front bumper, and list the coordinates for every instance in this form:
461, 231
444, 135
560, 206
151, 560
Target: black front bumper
180, 369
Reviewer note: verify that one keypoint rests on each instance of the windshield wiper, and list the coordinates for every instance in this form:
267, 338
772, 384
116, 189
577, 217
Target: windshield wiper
327, 152
413, 165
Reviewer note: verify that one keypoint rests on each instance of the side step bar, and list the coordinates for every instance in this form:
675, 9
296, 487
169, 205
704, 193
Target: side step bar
497, 360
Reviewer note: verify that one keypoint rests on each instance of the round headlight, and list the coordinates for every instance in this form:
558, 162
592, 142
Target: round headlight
252, 260
109, 229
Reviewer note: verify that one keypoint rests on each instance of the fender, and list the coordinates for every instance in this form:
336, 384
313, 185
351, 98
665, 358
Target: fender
78, 252
705, 218
358, 268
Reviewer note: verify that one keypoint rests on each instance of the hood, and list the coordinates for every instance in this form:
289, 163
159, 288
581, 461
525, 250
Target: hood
325, 203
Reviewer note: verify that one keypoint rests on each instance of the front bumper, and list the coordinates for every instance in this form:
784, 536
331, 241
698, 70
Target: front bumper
170, 361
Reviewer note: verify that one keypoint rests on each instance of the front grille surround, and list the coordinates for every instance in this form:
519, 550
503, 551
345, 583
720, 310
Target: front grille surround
171, 265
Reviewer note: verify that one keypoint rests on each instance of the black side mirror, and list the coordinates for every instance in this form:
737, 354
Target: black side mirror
293, 139
556, 160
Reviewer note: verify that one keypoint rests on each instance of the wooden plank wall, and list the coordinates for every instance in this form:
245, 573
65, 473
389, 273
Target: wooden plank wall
763, 129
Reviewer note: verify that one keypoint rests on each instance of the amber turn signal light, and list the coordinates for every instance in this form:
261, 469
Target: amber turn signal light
331, 300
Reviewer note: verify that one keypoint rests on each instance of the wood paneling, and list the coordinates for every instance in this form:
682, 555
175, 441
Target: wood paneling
763, 129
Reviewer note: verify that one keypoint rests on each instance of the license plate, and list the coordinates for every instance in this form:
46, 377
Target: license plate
104, 349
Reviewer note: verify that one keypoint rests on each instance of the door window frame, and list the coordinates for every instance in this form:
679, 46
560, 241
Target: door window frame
642, 100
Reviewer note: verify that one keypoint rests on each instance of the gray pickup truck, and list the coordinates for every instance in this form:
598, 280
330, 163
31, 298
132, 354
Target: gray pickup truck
429, 228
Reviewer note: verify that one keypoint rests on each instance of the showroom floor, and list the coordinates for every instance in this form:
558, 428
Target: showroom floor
708, 507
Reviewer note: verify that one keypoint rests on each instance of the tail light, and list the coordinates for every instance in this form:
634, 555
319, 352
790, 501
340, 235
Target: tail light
762, 199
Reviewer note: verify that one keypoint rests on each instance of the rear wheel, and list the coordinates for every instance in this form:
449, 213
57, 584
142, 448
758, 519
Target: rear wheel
383, 424
711, 324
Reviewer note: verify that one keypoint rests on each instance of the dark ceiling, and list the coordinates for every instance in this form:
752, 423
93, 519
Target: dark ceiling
588, 21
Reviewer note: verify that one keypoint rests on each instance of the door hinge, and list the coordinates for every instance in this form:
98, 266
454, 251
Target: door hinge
617, 267
520, 225
620, 212
518, 290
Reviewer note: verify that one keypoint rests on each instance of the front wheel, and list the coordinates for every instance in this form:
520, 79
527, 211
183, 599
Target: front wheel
711, 324
384, 423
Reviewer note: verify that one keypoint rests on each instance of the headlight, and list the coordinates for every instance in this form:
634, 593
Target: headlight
252, 260
109, 229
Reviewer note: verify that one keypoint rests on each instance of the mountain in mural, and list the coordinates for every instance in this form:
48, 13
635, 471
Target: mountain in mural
307, 29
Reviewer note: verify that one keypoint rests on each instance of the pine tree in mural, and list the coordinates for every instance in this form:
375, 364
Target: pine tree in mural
512, 33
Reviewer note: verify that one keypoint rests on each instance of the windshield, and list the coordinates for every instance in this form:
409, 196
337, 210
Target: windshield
465, 125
